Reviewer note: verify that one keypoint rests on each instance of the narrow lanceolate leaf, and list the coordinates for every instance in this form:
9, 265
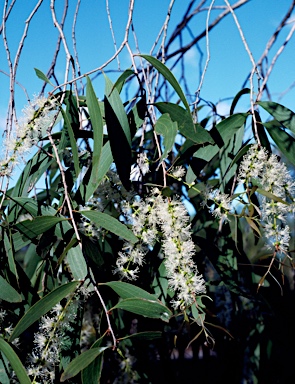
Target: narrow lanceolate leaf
42, 76
118, 132
74, 148
122, 78
92, 373
284, 141
97, 126
148, 308
8, 293
111, 224
42, 306
237, 98
81, 362
40, 224
271, 196
105, 162
148, 335
9, 253
126, 290
115, 102
77, 263
283, 115
168, 129
168, 76
15, 362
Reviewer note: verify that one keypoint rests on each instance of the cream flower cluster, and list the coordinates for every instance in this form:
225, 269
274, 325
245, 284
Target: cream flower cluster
277, 189
50, 341
159, 219
273, 177
37, 117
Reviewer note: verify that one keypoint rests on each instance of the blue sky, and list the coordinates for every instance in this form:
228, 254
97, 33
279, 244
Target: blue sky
228, 67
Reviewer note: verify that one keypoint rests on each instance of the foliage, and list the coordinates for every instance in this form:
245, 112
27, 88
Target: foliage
61, 241
137, 232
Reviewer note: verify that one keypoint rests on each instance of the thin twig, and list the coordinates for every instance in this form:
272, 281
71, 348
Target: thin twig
123, 44
274, 60
112, 31
208, 54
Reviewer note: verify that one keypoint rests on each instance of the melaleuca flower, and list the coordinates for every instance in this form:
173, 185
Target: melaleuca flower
141, 167
37, 118
252, 164
220, 204
158, 219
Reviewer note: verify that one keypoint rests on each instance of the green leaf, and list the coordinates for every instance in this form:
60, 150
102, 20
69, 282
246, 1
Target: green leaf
8, 293
222, 133
148, 335
42, 76
126, 290
284, 141
229, 126
168, 76
15, 362
122, 78
105, 162
40, 224
165, 127
186, 126
77, 263
74, 149
148, 308
237, 98
111, 224
97, 126
119, 133
9, 253
32, 207
42, 306
92, 373
271, 196
282, 114
81, 362
115, 102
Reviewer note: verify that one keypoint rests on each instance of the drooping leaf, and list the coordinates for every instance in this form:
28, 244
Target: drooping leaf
120, 138
122, 78
242, 92
113, 97
148, 335
97, 126
42, 306
168, 76
92, 373
111, 224
40, 224
148, 308
74, 149
258, 129
81, 362
282, 114
186, 126
105, 162
168, 129
9, 253
8, 293
77, 263
223, 132
271, 196
126, 290
284, 141
15, 362
42, 76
